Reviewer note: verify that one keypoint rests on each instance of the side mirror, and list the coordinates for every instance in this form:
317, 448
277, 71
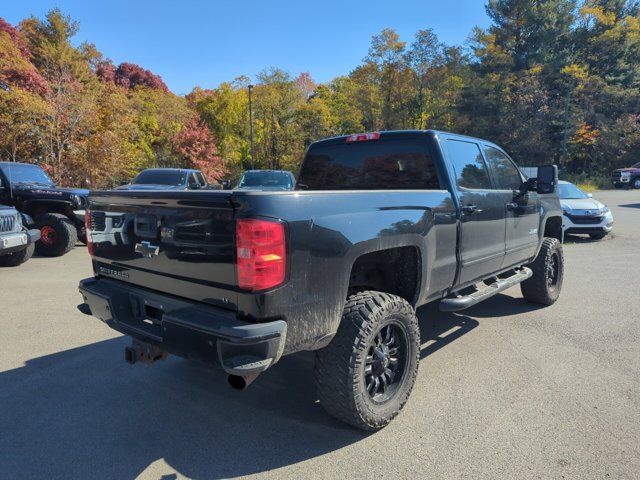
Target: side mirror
124, 182
590, 195
226, 184
547, 179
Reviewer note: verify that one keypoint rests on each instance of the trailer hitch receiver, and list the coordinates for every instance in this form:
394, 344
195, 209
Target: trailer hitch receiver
144, 352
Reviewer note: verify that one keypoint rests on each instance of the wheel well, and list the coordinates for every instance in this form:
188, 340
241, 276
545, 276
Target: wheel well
36, 209
395, 271
553, 228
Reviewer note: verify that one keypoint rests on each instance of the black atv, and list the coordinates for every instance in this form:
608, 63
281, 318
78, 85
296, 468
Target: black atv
58, 212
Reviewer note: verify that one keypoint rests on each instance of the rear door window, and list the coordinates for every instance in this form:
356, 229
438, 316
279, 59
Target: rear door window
471, 171
504, 171
375, 165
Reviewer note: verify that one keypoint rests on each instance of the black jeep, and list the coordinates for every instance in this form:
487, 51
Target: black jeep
58, 212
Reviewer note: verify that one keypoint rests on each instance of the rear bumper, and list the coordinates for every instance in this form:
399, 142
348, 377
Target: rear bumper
14, 242
183, 328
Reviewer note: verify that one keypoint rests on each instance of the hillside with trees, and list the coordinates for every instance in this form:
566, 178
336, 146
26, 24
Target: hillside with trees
553, 81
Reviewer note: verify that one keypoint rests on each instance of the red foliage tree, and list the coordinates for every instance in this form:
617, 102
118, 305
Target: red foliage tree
29, 80
16, 68
130, 75
305, 84
15, 37
196, 145
106, 72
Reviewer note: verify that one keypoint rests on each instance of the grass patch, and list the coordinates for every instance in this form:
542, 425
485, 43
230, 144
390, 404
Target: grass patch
589, 183
588, 186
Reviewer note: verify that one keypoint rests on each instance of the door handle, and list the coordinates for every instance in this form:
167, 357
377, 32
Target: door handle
512, 206
469, 209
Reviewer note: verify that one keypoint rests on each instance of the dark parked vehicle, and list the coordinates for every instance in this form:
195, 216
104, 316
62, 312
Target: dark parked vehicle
627, 177
17, 240
381, 223
167, 179
58, 212
266, 180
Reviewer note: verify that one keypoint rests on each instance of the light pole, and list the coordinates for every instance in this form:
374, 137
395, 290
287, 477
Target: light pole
253, 165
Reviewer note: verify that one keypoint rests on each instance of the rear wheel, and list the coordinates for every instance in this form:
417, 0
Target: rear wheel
17, 258
548, 272
58, 235
365, 375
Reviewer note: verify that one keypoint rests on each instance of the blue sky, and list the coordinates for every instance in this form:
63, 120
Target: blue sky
204, 43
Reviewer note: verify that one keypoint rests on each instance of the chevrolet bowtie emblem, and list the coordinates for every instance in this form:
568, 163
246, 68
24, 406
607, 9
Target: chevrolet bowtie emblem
147, 250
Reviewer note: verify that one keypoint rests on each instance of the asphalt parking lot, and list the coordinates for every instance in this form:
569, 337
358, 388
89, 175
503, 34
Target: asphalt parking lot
505, 390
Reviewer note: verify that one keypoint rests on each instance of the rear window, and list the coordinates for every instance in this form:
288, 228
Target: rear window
266, 178
160, 177
375, 165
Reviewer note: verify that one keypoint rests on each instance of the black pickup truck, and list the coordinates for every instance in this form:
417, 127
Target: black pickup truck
379, 224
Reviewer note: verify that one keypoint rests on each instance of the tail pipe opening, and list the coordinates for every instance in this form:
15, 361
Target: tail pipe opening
240, 382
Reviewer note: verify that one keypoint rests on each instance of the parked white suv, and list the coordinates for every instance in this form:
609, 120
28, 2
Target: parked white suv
17, 242
583, 214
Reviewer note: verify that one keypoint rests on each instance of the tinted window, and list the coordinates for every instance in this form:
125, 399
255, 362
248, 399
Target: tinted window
28, 174
506, 173
471, 172
374, 165
160, 177
201, 179
266, 179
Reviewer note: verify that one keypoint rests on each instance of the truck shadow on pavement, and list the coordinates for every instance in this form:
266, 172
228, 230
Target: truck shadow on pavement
85, 413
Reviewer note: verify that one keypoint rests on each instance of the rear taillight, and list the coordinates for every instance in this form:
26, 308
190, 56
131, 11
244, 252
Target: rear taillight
261, 253
363, 137
87, 231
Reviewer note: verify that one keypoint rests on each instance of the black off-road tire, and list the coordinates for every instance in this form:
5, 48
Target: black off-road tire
65, 235
17, 258
544, 286
598, 236
340, 366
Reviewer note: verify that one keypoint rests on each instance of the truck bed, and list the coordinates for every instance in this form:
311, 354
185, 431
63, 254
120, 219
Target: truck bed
183, 244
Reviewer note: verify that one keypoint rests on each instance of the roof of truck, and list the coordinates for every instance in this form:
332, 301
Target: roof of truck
403, 133
171, 169
18, 163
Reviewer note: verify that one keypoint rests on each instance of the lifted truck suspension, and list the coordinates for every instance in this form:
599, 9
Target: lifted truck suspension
144, 352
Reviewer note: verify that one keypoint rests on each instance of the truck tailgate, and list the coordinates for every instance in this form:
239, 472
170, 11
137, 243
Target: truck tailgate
180, 243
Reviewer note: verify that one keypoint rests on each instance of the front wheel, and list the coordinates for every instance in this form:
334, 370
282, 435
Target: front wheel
545, 284
17, 258
635, 183
365, 375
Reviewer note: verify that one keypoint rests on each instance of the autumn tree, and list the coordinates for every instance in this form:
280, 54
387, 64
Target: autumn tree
195, 144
